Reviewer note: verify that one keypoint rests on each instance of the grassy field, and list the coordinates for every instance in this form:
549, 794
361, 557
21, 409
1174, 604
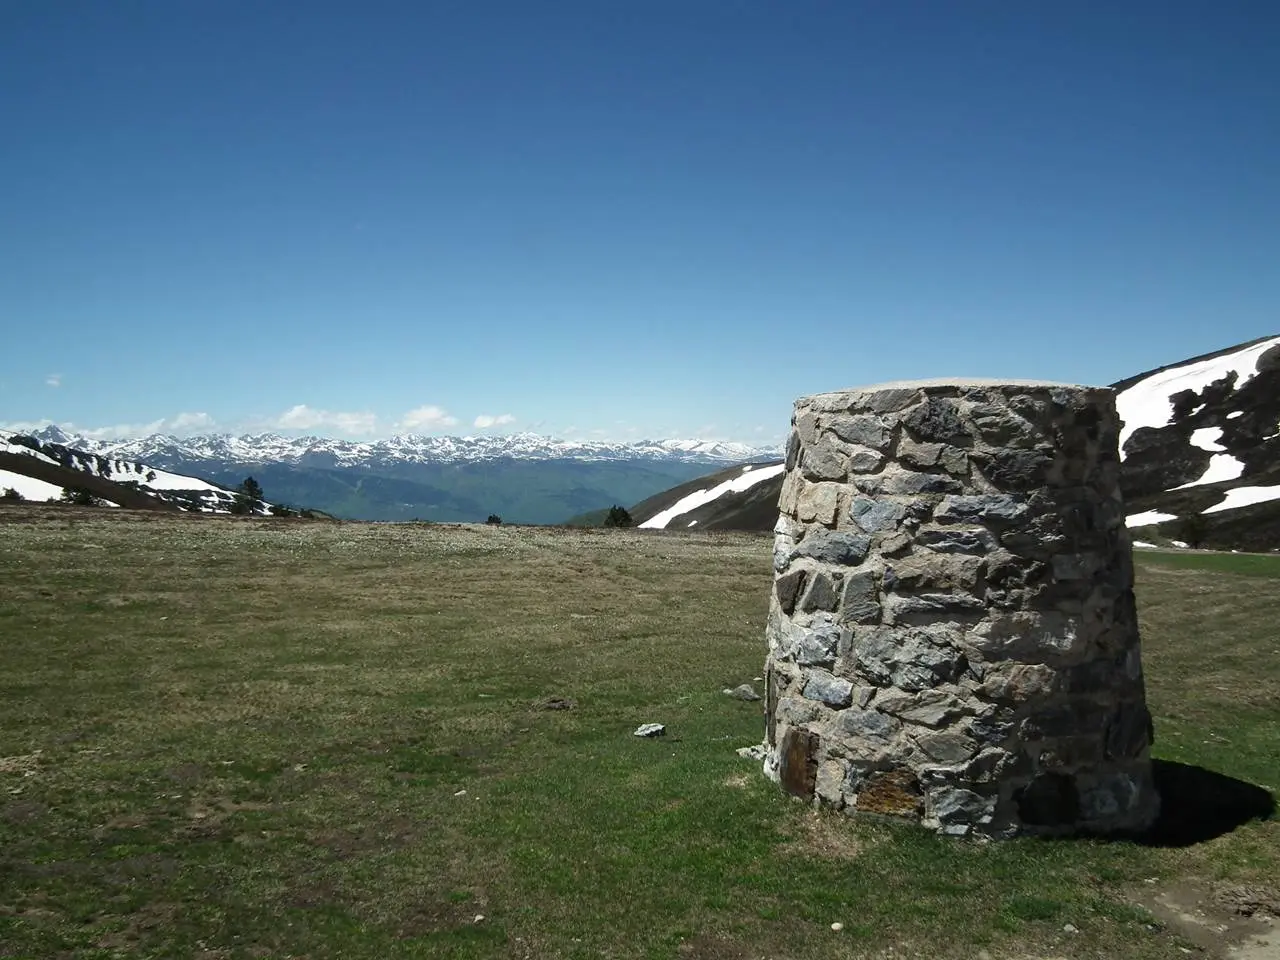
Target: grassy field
226, 739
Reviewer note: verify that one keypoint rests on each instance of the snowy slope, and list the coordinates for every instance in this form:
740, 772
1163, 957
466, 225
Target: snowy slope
33, 489
748, 478
1202, 437
177, 490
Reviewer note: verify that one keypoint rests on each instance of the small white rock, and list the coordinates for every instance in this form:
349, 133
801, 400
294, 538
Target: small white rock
837, 927
651, 730
461, 793
1069, 928
479, 918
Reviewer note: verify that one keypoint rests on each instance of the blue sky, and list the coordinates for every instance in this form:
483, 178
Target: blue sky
621, 219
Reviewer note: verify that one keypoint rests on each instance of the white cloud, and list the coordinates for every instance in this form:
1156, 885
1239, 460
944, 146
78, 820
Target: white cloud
192, 422
429, 417
120, 431
53, 380
302, 417
485, 420
184, 424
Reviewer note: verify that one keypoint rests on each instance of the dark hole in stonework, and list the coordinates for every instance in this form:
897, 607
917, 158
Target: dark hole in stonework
799, 767
1050, 800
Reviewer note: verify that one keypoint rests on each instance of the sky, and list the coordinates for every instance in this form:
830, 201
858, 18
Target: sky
616, 218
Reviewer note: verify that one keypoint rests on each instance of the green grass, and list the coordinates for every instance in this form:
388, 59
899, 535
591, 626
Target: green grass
256, 739
1242, 564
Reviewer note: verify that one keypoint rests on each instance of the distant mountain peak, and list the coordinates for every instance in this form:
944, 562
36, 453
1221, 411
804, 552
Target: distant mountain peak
407, 448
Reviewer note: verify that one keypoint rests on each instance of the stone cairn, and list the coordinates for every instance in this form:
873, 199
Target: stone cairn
952, 635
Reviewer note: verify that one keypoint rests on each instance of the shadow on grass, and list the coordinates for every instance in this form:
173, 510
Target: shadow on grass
1198, 805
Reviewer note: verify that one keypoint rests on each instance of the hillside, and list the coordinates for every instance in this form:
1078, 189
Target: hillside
1200, 439
744, 497
39, 472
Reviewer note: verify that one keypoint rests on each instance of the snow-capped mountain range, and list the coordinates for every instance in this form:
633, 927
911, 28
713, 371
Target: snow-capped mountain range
323, 451
1200, 451
522, 477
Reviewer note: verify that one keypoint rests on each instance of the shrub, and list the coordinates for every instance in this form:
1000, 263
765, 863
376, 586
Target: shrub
494, 519
277, 510
12, 495
79, 496
618, 517
1193, 530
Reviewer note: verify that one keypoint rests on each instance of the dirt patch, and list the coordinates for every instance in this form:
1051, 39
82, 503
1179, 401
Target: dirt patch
22, 811
185, 773
705, 947
434, 917
1234, 923
24, 764
139, 925
819, 834
393, 833
1248, 901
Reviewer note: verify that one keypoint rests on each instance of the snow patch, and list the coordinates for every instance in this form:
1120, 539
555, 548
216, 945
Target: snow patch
1179, 544
1208, 438
1222, 466
1148, 517
1235, 413
30, 487
1143, 543
27, 451
35, 490
1245, 496
1147, 404
698, 498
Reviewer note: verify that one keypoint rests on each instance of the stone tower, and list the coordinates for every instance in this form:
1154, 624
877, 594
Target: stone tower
952, 634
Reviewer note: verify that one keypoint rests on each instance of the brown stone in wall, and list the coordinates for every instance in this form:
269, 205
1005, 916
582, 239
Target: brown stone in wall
894, 793
799, 766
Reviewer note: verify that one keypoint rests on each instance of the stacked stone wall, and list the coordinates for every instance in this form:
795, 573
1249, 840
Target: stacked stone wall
952, 634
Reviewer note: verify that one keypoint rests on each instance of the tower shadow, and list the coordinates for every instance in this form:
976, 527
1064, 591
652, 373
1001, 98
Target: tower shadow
1198, 805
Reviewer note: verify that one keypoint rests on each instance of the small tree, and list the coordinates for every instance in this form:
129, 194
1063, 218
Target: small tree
1193, 529
79, 496
248, 497
251, 489
618, 517
12, 495
494, 519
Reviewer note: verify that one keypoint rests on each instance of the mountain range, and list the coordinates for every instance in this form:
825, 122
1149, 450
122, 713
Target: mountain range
523, 478
1199, 449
